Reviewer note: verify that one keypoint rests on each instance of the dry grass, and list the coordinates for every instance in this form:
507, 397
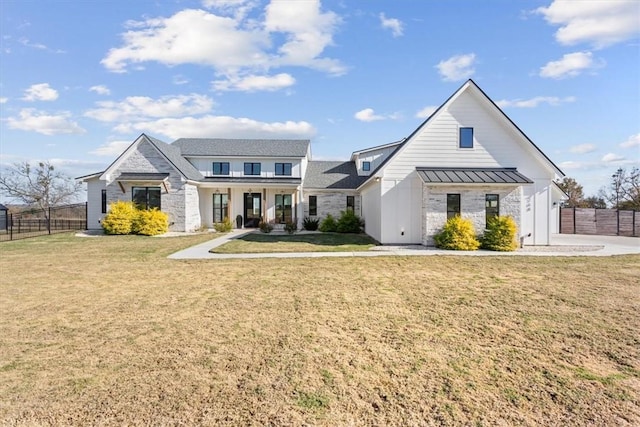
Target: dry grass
291, 243
107, 331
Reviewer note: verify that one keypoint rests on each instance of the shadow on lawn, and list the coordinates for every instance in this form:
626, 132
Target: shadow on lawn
321, 239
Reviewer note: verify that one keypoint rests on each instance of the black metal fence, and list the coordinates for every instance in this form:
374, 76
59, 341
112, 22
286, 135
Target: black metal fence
36, 222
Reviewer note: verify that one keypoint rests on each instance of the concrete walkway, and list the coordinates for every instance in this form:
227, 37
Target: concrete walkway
561, 245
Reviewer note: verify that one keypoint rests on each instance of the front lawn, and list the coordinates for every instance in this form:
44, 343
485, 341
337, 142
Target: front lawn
255, 243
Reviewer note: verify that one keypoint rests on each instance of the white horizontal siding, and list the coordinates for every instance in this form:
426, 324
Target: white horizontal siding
236, 166
376, 157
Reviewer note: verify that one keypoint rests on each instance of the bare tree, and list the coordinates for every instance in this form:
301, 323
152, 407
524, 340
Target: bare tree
624, 190
41, 186
574, 190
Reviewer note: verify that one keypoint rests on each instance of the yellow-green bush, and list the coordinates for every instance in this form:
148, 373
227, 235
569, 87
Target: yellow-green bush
224, 226
120, 218
150, 223
457, 234
500, 234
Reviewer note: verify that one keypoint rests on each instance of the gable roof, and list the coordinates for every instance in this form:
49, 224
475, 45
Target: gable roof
242, 147
329, 174
377, 147
170, 153
468, 84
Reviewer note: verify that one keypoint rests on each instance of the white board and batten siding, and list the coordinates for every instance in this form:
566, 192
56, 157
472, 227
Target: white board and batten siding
94, 203
496, 144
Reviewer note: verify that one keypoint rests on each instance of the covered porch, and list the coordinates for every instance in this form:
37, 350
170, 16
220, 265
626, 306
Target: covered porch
246, 204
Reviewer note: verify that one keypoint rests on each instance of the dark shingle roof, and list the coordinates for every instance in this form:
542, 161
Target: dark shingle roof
472, 176
173, 155
3, 207
242, 147
325, 174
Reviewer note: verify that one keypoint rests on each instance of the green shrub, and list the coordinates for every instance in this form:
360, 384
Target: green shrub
310, 224
223, 227
457, 234
291, 226
120, 218
500, 234
150, 222
265, 227
328, 225
349, 222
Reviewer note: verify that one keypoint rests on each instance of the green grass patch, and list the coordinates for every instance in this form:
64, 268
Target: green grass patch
256, 243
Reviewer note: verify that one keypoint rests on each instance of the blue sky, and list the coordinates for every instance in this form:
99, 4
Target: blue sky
81, 80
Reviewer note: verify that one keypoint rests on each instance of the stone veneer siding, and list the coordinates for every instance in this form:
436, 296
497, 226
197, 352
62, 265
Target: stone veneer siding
146, 159
333, 203
472, 206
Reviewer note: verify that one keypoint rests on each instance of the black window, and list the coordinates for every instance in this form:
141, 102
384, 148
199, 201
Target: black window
220, 207
366, 166
351, 203
453, 205
283, 169
466, 138
104, 201
313, 205
283, 208
221, 168
252, 168
146, 197
492, 206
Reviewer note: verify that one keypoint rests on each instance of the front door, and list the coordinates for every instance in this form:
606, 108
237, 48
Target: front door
252, 209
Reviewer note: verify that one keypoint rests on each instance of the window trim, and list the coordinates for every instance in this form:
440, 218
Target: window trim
285, 213
486, 208
366, 166
451, 212
221, 165
253, 166
461, 140
351, 203
283, 171
147, 206
223, 207
104, 200
313, 205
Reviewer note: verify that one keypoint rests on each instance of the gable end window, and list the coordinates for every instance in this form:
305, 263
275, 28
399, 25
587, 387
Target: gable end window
313, 205
466, 138
221, 168
146, 197
492, 207
366, 166
283, 169
351, 203
104, 201
252, 168
453, 205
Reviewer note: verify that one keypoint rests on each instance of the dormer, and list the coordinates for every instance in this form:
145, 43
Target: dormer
370, 159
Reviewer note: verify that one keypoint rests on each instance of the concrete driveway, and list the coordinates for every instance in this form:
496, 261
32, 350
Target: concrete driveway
561, 245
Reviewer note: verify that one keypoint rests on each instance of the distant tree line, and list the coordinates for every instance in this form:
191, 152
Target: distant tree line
622, 192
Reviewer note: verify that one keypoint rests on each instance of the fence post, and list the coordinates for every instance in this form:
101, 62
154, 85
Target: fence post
86, 215
574, 219
617, 221
11, 228
49, 221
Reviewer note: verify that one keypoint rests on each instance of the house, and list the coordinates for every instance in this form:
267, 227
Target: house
468, 158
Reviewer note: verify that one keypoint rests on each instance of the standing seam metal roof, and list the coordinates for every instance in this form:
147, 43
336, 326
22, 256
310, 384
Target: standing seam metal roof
472, 176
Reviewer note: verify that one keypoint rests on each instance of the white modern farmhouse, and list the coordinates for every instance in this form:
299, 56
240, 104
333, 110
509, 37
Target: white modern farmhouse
467, 158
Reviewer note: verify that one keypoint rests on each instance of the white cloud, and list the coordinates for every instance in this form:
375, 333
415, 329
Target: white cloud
100, 90
598, 22
570, 65
393, 24
47, 124
582, 148
633, 141
534, 102
254, 83
236, 8
426, 112
221, 126
4, 100
290, 34
40, 92
612, 157
112, 148
135, 108
457, 67
368, 115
